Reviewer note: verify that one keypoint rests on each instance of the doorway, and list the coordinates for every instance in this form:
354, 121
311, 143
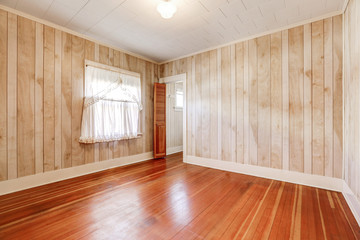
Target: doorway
175, 112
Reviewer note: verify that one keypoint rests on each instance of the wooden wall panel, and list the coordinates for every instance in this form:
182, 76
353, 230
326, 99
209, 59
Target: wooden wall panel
338, 95
25, 100
39, 99
239, 63
278, 91
49, 98
264, 87
276, 101
198, 109
307, 100
12, 160
57, 94
41, 91
328, 92
3, 95
213, 105
226, 104
66, 101
253, 101
318, 96
205, 106
285, 98
77, 72
296, 98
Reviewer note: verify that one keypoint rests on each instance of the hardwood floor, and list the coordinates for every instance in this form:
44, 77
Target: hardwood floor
167, 199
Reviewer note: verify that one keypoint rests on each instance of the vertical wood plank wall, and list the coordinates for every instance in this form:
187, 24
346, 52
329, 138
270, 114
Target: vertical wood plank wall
41, 96
352, 96
274, 101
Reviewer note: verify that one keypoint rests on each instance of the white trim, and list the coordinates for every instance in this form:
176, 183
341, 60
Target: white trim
184, 114
310, 20
174, 78
67, 30
352, 201
172, 150
31, 181
334, 184
346, 3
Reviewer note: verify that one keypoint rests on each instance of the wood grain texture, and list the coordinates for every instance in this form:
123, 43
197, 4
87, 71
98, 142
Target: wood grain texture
253, 101
296, 98
39, 99
264, 87
239, 63
12, 96
178, 201
328, 92
77, 72
3, 95
226, 104
41, 91
285, 98
307, 100
25, 100
66, 101
276, 101
198, 109
318, 96
49, 98
159, 120
338, 95
205, 104
57, 95
279, 97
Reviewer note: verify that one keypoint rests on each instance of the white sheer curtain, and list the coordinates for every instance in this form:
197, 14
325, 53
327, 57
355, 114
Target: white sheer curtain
112, 105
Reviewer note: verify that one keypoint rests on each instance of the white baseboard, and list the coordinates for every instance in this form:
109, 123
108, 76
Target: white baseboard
172, 150
18, 184
352, 201
334, 184
328, 183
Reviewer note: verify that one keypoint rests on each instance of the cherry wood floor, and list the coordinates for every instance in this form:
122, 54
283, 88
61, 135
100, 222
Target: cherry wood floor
167, 199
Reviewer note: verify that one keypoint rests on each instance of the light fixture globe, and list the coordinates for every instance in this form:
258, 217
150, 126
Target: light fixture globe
166, 9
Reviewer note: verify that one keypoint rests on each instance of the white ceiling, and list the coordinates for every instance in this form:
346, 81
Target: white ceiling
136, 26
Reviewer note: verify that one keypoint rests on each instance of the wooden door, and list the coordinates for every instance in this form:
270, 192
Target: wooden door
159, 120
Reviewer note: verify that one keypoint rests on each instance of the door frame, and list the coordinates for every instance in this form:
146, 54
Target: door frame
179, 78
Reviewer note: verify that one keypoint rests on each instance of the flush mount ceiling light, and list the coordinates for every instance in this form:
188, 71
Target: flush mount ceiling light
166, 9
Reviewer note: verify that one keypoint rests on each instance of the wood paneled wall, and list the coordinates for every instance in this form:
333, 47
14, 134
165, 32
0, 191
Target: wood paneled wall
41, 97
352, 96
274, 101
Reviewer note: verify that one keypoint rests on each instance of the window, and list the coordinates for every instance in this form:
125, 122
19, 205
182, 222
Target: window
112, 104
179, 96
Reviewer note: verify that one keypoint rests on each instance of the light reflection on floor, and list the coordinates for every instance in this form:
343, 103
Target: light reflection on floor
181, 212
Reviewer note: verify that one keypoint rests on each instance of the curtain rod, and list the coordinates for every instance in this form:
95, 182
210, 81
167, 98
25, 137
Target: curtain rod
111, 68
113, 100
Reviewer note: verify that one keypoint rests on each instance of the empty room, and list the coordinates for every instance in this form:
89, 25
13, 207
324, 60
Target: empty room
179, 119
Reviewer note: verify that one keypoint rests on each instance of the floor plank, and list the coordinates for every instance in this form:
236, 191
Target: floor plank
168, 199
